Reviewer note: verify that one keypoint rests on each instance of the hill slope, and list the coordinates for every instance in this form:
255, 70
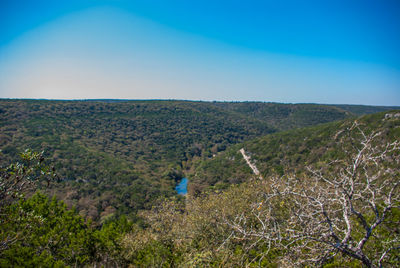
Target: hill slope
117, 157
283, 152
288, 116
329, 197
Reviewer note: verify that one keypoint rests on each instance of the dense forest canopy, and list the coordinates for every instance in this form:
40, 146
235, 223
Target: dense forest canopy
117, 157
279, 153
117, 163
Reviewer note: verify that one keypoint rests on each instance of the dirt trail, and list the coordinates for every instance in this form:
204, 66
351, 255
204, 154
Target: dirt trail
248, 161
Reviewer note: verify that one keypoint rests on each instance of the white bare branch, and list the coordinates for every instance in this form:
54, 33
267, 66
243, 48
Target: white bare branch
336, 209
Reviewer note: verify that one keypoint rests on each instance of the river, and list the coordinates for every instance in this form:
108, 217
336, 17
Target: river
181, 188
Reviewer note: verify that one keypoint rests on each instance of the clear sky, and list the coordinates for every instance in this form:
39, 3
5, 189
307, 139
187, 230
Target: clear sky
339, 51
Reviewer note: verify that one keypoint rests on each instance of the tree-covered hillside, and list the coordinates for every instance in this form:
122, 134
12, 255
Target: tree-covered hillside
289, 116
326, 195
364, 109
282, 152
286, 116
117, 157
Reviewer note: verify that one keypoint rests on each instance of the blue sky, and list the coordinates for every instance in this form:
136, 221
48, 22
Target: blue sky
281, 51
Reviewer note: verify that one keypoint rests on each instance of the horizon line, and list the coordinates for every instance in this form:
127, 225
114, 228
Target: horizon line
188, 100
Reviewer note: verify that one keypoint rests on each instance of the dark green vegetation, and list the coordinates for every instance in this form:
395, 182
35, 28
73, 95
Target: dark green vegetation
39, 232
45, 233
117, 157
288, 116
124, 158
279, 153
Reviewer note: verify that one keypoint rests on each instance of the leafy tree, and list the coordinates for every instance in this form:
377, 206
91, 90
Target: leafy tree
16, 180
46, 234
39, 231
109, 249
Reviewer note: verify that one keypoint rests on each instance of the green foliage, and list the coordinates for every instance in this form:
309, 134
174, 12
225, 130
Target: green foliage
287, 116
109, 241
17, 179
46, 233
360, 110
195, 234
254, 223
120, 158
286, 152
42, 232
114, 157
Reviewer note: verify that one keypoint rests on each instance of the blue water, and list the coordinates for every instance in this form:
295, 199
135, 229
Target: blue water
181, 188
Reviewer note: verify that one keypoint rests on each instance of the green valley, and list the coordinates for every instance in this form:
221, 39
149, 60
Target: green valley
116, 163
117, 157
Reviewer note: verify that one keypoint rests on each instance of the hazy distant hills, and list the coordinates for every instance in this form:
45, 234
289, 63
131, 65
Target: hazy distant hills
117, 156
364, 109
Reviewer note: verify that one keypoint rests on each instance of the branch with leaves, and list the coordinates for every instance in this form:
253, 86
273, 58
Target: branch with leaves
15, 181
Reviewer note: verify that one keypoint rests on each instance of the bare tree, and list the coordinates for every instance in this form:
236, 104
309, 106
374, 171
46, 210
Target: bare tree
339, 208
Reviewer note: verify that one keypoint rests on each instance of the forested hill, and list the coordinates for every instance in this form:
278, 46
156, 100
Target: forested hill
288, 116
285, 152
117, 157
326, 195
363, 109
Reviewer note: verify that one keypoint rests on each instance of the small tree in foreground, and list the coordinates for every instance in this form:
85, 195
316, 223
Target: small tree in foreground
39, 231
351, 206
15, 181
